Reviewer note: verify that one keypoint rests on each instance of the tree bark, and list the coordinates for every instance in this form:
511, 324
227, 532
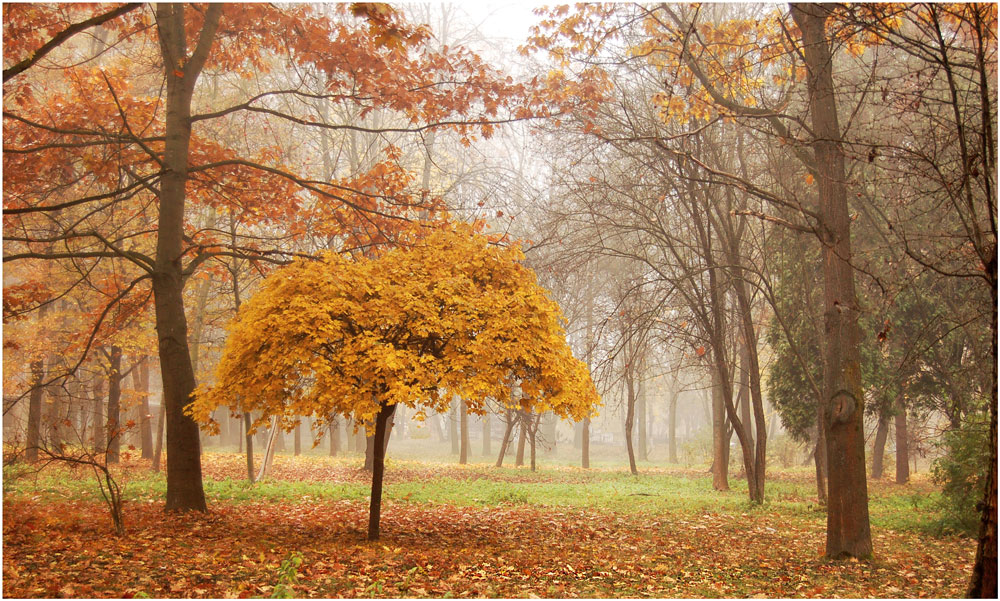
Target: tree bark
184, 484
672, 428
160, 427
641, 411
585, 443
114, 405
720, 439
334, 428
902, 443
848, 532
247, 421
98, 425
453, 428
506, 437
878, 449
141, 380
630, 418
522, 432
463, 456
378, 470
297, 444
34, 438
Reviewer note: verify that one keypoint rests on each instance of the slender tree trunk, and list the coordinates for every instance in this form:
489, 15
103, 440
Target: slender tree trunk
585, 443
247, 422
369, 453
184, 485
463, 456
453, 428
141, 381
98, 425
641, 410
298, 439
848, 531
534, 438
378, 470
509, 422
902, 443
522, 432
672, 428
334, 428
878, 450
720, 441
630, 419
34, 438
269, 448
114, 405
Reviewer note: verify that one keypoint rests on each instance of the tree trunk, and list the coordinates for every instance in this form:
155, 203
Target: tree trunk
522, 433
463, 456
334, 428
141, 381
819, 456
848, 531
902, 443
720, 441
641, 411
269, 448
672, 428
438, 428
98, 426
878, 451
184, 485
378, 469
247, 421
630, 418
506, 437
34, 438
585, 443
487, 438
534, 438
453, 428
114, 405
160, 427
369, 453
297, 444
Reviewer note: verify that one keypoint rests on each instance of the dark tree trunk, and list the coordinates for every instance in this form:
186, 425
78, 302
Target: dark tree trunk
819, 456
463, 456
379, 443
902, 443
100, 433
34, 439
720, 440
509, 423
522, 432
114, 405
848, 531
878, 450
141, 378
247, 421
630, 419
184, 485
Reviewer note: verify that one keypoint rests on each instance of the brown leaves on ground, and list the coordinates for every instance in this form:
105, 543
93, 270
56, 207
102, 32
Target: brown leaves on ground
63, 550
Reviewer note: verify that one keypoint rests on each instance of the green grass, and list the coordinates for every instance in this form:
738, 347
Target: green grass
656, 490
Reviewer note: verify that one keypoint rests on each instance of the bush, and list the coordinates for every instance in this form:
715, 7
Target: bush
961, 472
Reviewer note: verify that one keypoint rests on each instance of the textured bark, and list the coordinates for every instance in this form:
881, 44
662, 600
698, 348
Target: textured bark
114, 405
463, 423
630, 419
672, 428
510, 420
902, 443
878, 449
720, 439
378, 469
34, 438
184, 484
848, 531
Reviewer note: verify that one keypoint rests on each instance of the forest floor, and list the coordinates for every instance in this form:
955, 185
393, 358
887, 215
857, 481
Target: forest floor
464, 531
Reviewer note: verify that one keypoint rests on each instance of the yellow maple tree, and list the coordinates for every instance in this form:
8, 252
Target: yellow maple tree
447, 312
